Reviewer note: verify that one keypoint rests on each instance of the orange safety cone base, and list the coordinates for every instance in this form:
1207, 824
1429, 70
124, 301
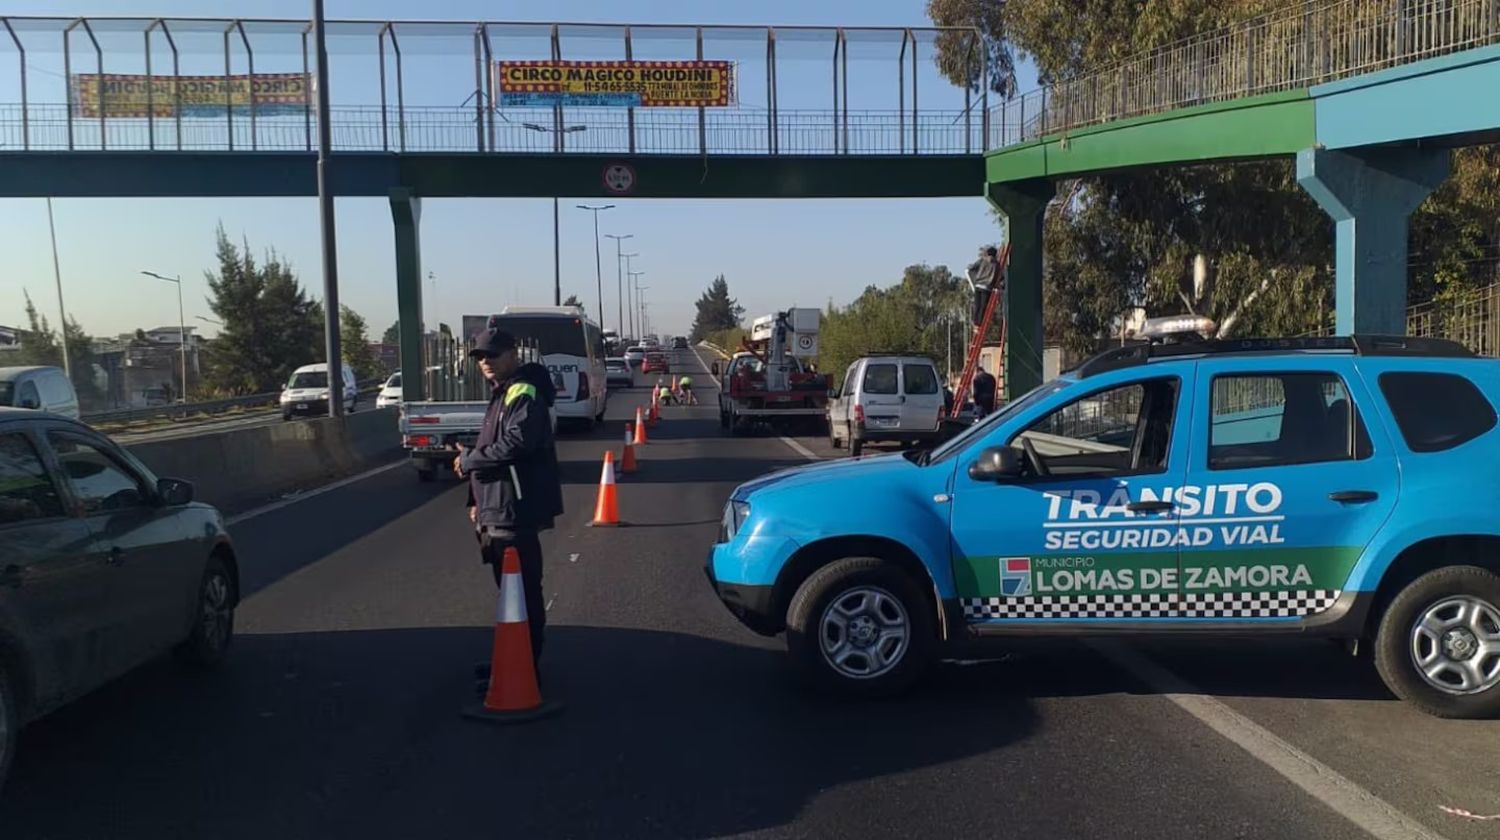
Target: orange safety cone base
627, 463
477, 711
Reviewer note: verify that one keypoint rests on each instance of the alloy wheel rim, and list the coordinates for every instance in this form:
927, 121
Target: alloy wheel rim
1455, 645
864, 632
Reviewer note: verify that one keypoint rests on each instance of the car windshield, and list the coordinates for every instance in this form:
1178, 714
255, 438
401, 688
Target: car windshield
308, 379
615, 364
1030, 398
634, 350
394, 381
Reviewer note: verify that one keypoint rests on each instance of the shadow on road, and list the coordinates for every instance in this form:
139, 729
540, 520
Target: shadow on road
357, 734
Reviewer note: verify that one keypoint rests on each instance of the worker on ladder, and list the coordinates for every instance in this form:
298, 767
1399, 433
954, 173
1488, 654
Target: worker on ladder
985, 276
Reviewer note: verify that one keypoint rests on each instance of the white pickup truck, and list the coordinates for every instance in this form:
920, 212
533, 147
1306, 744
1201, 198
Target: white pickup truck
431, 430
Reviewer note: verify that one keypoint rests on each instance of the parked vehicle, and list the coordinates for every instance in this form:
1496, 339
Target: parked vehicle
887, 398
306, 392
103, 566
617, 372
680, 343
635, 355
656, 362
41, 387
390, 392
1255, 487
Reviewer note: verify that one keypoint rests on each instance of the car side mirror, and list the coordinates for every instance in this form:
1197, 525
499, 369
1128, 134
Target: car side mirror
174, 492
996, 463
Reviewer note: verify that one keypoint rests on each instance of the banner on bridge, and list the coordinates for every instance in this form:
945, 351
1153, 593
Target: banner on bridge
124, 95
619, 84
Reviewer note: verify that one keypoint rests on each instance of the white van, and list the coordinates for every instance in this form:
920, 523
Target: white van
887, 398
572, 349
306, 392
43, 388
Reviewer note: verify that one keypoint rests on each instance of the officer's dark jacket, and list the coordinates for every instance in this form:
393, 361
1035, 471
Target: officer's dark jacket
512, 469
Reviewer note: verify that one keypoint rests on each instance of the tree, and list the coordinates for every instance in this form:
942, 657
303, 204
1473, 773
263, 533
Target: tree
926, 314
716, 310
574, 301
392, 334
270, 326
41, 346
355, 341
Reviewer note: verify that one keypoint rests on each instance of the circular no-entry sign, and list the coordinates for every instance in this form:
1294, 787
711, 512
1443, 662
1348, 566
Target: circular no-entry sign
804, 342
619, 178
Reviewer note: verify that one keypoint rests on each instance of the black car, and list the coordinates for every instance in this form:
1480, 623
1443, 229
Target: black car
679, 343
103, 566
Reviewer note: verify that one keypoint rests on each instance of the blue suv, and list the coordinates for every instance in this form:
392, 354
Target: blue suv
1342, 487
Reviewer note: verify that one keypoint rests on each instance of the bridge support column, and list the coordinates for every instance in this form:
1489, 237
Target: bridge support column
1024, 206
1370, 195
406, 212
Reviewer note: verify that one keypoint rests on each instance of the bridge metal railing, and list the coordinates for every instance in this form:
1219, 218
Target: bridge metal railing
1299, 46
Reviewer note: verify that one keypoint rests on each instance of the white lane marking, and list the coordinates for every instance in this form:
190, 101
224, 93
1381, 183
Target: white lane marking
1361, 807
713, 380
800, 449
302, 497
548, 608
572, 558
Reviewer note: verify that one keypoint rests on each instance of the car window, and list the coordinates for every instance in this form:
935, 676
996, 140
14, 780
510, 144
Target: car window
317, 379
1125, 430
1465, 413
1278, 419
27, 395
849, 379
880, 379
99, 481
920, 378
26, 492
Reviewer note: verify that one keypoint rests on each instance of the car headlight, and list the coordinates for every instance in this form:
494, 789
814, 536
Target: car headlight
735, 514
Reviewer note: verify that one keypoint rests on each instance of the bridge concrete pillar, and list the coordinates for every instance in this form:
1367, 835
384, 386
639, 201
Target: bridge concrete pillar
1024, 206
406, 212
1370, 194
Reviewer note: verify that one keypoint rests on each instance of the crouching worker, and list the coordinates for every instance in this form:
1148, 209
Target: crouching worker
514, 488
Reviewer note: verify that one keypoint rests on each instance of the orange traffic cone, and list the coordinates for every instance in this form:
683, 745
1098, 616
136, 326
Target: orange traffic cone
655, 410
627, 463
607, 509
640, 428
513, 695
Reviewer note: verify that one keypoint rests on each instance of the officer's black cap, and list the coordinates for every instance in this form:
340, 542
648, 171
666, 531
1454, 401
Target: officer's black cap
492, 342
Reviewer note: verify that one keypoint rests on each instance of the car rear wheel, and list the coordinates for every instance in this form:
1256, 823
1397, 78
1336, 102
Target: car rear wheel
860, 627
10, 723
213, 621
1438, 645
833, 439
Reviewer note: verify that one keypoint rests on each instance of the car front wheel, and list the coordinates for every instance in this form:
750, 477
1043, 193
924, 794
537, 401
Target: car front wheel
860, 627
1438, 645
213, 620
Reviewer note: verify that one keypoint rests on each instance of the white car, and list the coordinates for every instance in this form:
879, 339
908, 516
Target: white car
390, 392
306, 393
887, 398
635, 355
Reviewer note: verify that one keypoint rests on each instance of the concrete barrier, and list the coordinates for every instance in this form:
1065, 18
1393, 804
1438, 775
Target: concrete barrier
242, 467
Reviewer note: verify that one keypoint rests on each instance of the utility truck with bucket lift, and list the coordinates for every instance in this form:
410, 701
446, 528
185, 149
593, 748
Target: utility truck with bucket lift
769, 381
457, 397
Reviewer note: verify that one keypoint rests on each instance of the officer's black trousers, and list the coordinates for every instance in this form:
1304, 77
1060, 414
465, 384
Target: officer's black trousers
492, 543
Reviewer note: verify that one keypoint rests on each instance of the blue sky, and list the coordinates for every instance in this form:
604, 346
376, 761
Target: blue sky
485, 253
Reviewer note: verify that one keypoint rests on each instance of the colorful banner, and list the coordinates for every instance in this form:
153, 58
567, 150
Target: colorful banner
619, 84
124, 95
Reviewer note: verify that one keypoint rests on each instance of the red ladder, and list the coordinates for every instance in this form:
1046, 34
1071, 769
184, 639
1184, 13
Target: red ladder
976, 346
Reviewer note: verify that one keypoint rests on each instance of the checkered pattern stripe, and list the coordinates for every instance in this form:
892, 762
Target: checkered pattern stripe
1155, 605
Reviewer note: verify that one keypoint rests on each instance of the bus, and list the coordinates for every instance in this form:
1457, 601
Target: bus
572, 348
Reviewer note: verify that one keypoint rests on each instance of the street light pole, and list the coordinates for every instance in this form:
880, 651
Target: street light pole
61, 310
598, 265
181, 329
619, 283
325, 218
635, 294
556, 258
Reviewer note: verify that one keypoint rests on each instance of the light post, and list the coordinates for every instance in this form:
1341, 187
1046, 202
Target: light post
62, 311
181, 328
635, 299
640, 301
556, 237
628, 258
598, 266
619, 282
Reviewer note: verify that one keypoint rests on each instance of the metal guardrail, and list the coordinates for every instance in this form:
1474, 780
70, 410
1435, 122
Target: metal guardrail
1290, 48
179, 410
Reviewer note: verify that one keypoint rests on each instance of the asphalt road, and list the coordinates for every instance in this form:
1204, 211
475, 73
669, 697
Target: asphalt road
337, 716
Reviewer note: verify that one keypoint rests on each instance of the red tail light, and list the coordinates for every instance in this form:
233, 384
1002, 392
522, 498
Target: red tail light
859, 414
422, 421
419, 440
583, 387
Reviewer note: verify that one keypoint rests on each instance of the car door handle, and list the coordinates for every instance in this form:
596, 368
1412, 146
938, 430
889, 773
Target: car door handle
1150, 506
1354, 496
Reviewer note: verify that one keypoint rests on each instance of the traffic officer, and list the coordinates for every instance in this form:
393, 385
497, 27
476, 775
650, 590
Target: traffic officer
514, 488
